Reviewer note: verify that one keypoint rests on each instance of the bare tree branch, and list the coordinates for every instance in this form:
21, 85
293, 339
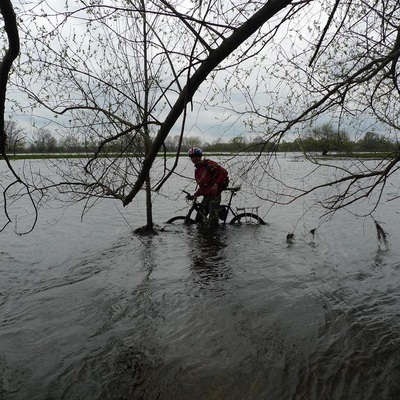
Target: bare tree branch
10, 25
215, 57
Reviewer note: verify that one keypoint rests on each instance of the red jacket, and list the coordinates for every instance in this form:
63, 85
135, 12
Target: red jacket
207, 173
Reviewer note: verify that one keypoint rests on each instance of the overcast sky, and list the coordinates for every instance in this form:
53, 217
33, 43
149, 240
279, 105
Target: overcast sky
211, 123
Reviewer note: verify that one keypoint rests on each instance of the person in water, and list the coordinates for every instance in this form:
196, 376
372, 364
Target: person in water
211, 179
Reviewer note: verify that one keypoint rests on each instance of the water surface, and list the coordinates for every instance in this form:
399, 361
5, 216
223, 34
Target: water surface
89, 310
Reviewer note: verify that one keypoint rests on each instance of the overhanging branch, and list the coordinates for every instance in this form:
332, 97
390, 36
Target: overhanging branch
227, 47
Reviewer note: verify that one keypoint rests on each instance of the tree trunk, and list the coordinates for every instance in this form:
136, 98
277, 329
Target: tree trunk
10, 26
149, 206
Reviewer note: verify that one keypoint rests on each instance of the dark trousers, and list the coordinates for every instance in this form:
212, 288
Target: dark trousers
210, 207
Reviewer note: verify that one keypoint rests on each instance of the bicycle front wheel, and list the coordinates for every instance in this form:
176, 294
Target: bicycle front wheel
248, 218
181, 219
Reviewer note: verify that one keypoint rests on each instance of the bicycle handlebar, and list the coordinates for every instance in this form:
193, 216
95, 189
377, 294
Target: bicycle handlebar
230, 189
189, 197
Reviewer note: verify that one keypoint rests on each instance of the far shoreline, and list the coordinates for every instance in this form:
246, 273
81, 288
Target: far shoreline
49, 156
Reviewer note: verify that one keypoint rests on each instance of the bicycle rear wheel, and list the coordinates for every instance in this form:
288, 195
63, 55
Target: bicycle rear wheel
181, 219
248, 218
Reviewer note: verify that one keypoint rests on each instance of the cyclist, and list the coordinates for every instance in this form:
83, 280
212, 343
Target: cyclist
212, 179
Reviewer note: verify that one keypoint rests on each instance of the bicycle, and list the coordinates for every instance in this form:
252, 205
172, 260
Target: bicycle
224, 209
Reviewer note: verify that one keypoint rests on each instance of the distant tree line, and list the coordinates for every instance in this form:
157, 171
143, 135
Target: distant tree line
323, 140
42, 140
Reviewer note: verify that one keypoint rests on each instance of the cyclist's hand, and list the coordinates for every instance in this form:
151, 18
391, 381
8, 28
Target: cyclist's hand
189, 197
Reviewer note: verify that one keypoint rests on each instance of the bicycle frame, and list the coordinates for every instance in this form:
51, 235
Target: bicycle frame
237, 217
196, 206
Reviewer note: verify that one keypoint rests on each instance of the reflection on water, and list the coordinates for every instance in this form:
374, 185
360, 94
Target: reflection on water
207, 253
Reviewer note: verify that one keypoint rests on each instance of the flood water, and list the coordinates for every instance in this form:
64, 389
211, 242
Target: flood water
89, 310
